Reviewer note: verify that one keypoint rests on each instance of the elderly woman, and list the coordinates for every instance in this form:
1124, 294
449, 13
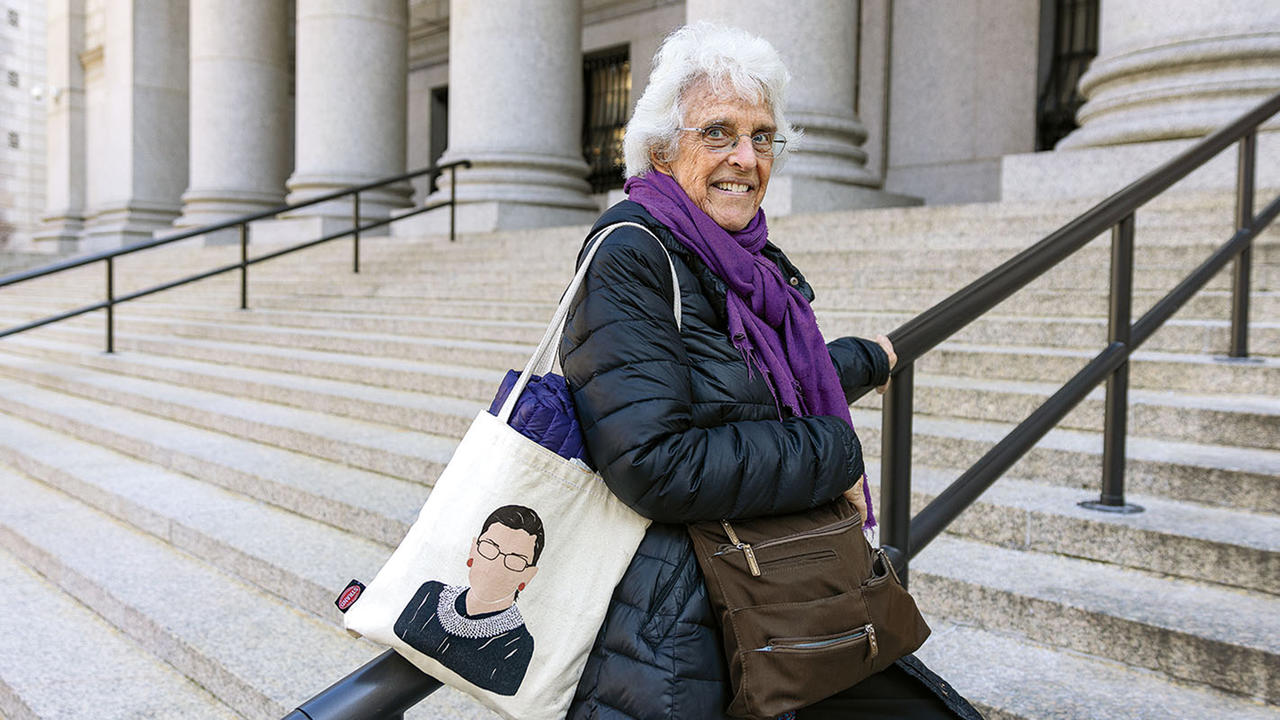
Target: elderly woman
741, 412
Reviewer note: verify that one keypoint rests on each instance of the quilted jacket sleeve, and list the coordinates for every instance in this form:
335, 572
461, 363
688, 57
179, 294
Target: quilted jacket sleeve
861, 364
628, 370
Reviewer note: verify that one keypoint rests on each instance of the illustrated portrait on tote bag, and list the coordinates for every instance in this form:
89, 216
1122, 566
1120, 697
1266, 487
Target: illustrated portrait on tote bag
476, 630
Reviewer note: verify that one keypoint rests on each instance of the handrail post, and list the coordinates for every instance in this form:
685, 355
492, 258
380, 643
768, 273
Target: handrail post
453, 202
244, 266
895, 468
1244, 261
355, 229
111, 307
1119, 329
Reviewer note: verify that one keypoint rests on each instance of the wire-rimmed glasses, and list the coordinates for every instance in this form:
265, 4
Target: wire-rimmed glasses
489, 550
718, 138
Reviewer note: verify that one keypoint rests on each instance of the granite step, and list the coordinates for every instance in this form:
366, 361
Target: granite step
372, 505
375, 447
1195, 541
1179, 372
238, 643
1217, 475
1008, 677
303, 562
112, 678
448, 380
439, 414
1180, 335
1243, 421
1185, 372
1195, 632
1215, 419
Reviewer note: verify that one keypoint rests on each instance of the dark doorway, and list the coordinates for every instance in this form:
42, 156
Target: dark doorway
1068, 43
606, 82
439, 141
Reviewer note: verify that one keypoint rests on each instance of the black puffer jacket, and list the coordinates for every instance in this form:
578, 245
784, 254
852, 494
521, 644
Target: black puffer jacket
682, 430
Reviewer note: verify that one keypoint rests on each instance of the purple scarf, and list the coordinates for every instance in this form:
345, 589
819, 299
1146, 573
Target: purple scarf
770, 322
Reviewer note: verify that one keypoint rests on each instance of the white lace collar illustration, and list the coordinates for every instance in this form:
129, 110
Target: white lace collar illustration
458, 625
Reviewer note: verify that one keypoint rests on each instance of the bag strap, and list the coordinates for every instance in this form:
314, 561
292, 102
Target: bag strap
544, 356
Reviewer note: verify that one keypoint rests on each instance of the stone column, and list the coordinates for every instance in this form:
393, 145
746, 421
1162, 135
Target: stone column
240, 110
1177, 69
137, 149
827, 168
63, 218
515, 106
352, 74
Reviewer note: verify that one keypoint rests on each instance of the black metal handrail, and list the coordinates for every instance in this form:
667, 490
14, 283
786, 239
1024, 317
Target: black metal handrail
242, 223
904, 536
388, 685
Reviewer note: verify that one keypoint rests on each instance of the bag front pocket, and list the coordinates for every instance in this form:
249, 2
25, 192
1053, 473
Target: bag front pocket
789, 655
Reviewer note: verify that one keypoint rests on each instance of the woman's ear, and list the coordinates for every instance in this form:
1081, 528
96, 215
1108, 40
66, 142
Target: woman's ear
658, 163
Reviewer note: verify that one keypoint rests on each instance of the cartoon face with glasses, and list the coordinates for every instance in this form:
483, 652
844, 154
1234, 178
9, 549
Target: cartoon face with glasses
477, 631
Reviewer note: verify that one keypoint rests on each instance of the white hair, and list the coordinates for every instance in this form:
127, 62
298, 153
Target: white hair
731, 60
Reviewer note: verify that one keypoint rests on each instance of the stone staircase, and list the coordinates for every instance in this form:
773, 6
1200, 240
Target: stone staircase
179, 516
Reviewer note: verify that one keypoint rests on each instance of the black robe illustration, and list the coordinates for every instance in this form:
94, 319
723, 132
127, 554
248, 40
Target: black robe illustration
491, 650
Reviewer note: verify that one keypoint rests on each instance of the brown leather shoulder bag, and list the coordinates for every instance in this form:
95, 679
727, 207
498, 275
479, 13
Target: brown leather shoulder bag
806, 607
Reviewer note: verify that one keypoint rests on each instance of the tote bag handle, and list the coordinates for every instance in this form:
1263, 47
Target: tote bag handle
544, 356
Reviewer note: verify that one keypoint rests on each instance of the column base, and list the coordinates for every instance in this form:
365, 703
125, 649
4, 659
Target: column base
791, 195
59, 234
374, 204
115, 227
295, 230
211, 206
1097, 172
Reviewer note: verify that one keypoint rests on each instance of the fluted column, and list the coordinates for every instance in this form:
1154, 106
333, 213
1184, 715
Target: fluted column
818, 41
1177, 69
240, 111
63, 218
352, 70
515, 106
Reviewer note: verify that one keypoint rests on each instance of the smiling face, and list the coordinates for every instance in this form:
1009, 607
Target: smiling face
727, 186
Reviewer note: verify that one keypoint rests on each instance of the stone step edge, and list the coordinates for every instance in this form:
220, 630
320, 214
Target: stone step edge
1010, 677
342, 514
155, 367
1046, 617
101, 653
279, 581
1015, 507
292, 433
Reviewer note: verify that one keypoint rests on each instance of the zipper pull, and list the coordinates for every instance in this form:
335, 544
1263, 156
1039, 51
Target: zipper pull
751, 559
744, 547
728, 530
872, 648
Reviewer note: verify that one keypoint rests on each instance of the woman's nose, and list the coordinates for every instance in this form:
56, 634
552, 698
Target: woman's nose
743, 155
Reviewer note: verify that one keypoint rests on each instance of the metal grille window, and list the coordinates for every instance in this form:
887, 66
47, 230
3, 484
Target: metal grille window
13, 78
13, 140
607, 86
1075, 43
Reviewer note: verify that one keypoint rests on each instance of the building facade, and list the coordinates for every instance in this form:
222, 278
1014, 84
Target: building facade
22, 132
180, 113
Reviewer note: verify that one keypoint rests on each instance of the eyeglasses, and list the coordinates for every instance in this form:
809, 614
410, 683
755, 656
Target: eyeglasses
489, 550
718, 139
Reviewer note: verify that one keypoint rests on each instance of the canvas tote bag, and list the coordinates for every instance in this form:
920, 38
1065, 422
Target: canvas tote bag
501, 585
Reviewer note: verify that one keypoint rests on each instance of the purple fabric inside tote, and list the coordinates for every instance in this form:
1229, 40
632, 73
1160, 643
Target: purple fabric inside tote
544, 414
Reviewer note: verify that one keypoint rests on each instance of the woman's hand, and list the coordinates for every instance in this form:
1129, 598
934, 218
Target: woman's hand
884, 342
859, 500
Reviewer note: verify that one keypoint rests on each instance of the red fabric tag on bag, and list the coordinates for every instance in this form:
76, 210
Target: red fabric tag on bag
350, 595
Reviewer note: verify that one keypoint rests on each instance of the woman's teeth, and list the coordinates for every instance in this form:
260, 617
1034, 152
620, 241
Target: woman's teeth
733, 187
